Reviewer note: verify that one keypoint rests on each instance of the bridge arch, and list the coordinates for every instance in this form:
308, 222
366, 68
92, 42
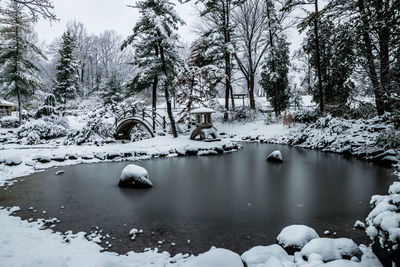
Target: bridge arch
124, 128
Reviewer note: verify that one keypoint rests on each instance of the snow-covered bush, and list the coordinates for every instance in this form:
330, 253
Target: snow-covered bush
9, 122
362, 111
35, 131
305, 116
389, 139
242, 114
383, 222
97, 127
48, 107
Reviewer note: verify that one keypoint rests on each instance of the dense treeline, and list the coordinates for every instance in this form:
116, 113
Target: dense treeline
351, 49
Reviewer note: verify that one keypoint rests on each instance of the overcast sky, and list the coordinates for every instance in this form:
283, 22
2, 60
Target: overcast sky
100, 15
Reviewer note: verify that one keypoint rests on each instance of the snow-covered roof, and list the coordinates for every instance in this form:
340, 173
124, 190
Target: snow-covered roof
202, 111
6, 103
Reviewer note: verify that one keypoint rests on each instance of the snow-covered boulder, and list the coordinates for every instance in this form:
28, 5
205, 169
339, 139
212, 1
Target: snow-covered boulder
134, 176
275, 156
215, 257
332, 249
12, 160
389, 160
42, 158
326, 247
260, 255
296, 236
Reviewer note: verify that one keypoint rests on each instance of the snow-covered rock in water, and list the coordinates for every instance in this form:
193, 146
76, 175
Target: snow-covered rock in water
59, 158
359, 225
257, 256
100, 155
215, 257
42, 158
134, 176
332, 249
60, 173
296, 236
275, 156
389, 160
210, 152
12, 160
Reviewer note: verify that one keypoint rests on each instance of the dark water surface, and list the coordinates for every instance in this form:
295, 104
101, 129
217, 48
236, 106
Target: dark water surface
234, 201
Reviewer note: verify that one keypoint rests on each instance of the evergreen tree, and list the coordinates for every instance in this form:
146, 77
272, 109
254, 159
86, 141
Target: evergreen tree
274, 76
337, 48
113, 89
377, 26
67, 76
155, 41
18, 73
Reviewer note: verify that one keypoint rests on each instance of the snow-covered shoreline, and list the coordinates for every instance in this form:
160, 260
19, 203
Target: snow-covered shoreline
17, 161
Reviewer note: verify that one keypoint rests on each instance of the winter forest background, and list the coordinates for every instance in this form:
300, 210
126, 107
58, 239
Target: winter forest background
348, 59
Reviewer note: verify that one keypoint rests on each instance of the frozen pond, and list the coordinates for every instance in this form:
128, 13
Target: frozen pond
235, 201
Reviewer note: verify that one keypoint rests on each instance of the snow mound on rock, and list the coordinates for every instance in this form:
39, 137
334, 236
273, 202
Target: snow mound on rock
215, 257
331, 249
275, 156
134, 176
12, 160
296, 236
261, 255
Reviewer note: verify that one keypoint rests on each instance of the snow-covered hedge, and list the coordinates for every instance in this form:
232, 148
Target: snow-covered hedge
35, 131
383, 222
305, 116
9, 122
97, 127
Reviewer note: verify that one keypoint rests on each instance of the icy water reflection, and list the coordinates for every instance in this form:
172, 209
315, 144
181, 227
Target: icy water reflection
234, 201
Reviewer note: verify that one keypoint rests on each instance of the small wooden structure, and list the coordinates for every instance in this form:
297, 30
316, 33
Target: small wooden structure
240, 96
205, 131
6, 108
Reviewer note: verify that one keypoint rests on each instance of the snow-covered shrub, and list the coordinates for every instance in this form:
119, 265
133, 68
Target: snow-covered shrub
362, 111
243, 114
305, 116
389, 139
97, 127
35, 131
383, 222
9, 122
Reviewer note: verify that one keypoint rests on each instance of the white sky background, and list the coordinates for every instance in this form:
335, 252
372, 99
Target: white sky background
101, 15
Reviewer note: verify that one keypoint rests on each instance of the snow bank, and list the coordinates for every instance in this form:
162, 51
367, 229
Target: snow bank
383, 222
215, 257
134, 176
296, 236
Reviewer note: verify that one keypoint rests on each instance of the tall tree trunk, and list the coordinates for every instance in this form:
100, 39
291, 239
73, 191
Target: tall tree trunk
251, 86
318, 54
384, 39
271, 42
154, 93
167, 95
368, 54
19, 105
